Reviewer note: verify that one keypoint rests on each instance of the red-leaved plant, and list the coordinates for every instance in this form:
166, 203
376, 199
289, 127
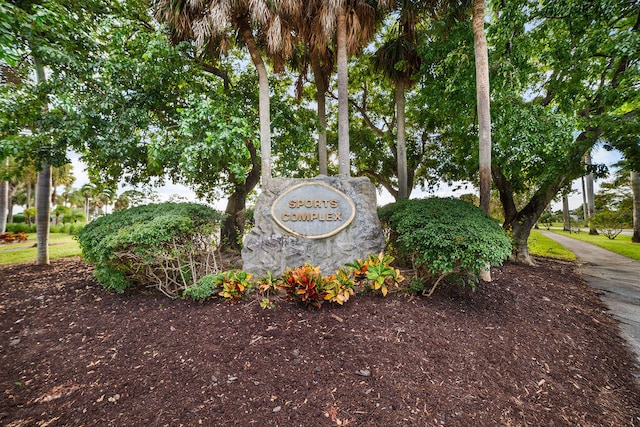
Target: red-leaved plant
305, 284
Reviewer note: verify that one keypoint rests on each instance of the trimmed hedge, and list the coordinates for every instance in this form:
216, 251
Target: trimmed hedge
168, 246
441, 236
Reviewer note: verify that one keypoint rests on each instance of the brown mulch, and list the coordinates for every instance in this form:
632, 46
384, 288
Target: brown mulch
533, 348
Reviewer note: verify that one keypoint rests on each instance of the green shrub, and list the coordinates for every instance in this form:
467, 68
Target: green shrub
66, 228
20, 228
208, 286
610, 223
168, 246
19, 219
444, 236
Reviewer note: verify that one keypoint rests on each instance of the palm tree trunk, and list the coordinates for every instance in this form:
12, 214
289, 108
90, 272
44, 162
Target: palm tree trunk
401, 145
344, 168
484, 113
635, 188
584, 200
484, 117
591, 204
28, 203
566, 219
319, 80
43, 192
264, 103
4, 204
43, 211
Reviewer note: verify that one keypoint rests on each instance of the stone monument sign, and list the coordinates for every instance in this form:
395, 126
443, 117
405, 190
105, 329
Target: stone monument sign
325, 221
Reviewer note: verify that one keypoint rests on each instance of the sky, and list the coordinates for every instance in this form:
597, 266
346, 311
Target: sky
170, 190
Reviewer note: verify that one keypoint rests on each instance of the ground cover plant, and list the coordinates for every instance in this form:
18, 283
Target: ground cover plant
169, 246
534, 347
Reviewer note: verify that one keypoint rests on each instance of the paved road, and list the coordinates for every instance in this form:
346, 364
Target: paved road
617, 276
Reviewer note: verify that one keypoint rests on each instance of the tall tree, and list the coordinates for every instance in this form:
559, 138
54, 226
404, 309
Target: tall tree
635, 188
209, 22
43, 188
354, 23
483, 104
52, 39
398, 59
565, 52
590, 207
4, 196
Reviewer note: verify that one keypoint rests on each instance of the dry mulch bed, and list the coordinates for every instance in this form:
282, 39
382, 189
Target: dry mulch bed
535, 347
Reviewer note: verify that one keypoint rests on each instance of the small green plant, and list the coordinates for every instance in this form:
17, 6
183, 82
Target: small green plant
235, 285
375, 273
381, 275
304, 284
206, 287
232, 285
339, 287
416, 285
268, 284
266, 303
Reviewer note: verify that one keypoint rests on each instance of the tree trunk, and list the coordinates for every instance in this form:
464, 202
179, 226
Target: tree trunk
4, 204
521, 222
635, 188
482, 93
591, 204
321, 89
401, 145
43, 191
43, 212
264, 102
520, 238
584, 200
344, 168
28, 203
232, 229
566, 218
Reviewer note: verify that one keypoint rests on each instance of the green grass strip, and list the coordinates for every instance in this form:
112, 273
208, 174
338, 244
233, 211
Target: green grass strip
621, 245
541, 245
60, 246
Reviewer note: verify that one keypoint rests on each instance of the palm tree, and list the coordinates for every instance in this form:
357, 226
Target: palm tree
398, 59
590, 207
354, 23
208, 23
87, 191
635, 189
43, 192
484, 111
4, 195
62, 175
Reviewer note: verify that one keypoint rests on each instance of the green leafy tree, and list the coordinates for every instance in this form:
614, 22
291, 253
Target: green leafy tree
398, 59
52, 40
539, 139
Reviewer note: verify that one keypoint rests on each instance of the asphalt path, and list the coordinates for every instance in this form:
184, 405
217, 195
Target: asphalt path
618, 279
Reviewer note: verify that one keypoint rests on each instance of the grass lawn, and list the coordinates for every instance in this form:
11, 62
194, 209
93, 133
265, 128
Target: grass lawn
541, 245
621, 245
60, 245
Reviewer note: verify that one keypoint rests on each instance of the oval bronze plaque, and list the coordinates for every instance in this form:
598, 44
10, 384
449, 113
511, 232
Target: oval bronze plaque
313, 210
